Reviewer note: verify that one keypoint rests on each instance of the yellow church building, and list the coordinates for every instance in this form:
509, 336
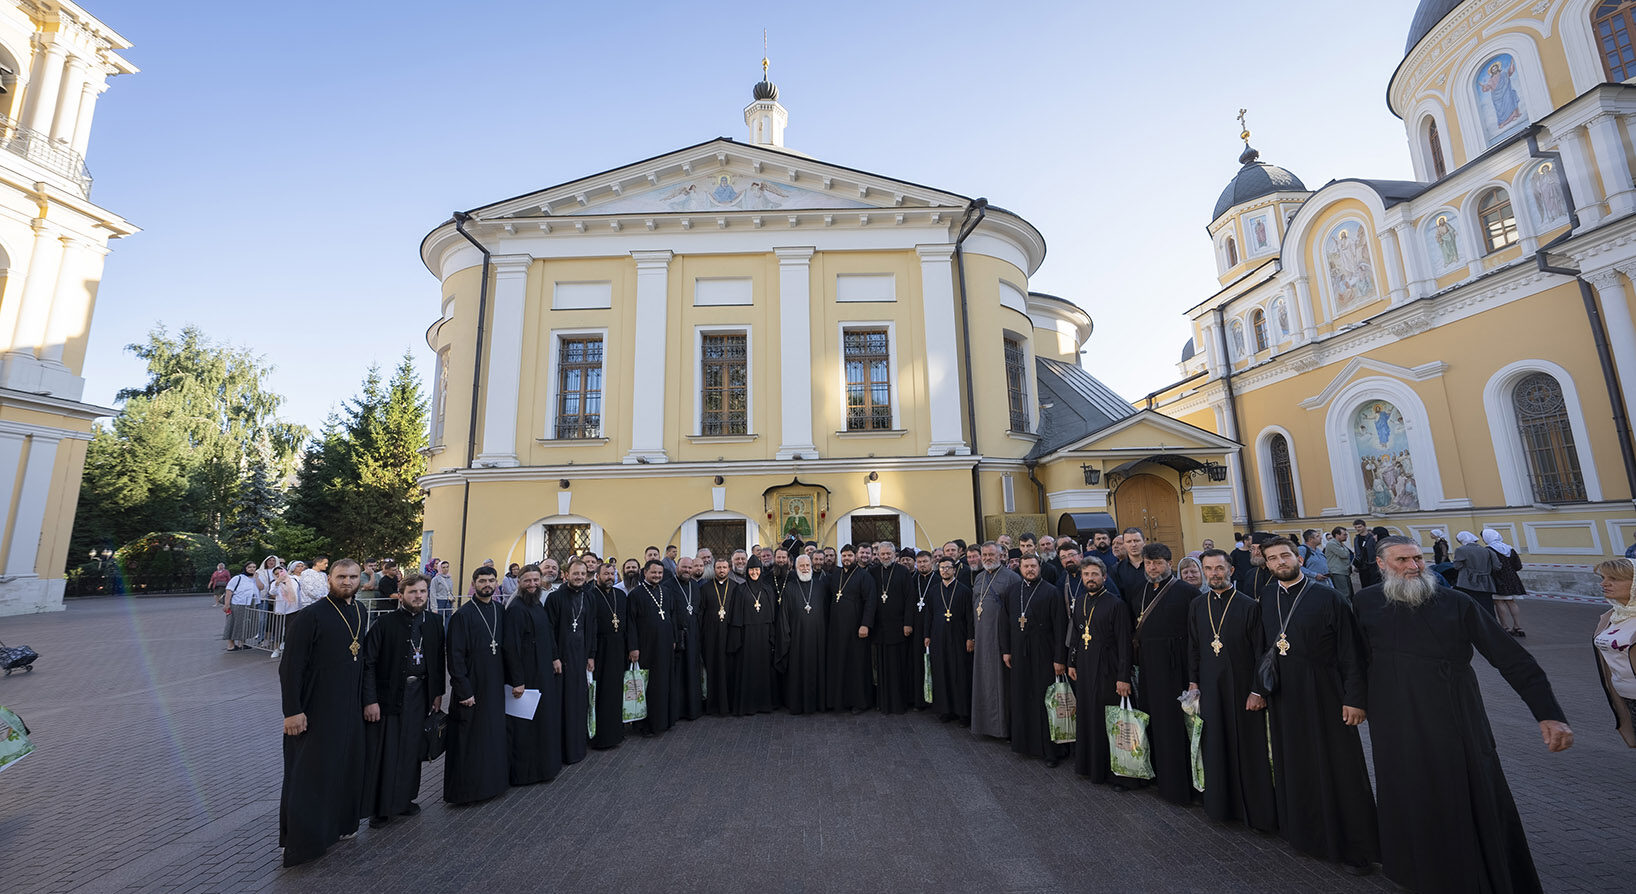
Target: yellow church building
55, 61
733, 341
1456, 351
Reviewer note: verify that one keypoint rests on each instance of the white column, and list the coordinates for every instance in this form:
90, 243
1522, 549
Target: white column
795, 352
1576, 164
1298, 314
505, 360
1610, 161
68, 100
1309, 313
29, 520
1420, 282
1621, 330
943, 388
652, 327
70, 310
43, 87
20, 367
1217, 356
1390, 248
87, 110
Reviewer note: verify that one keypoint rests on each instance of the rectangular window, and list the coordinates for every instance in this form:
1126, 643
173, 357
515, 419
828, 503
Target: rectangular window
868, 358
440, 399
1016, 384
564, 541
724, 379
579, 388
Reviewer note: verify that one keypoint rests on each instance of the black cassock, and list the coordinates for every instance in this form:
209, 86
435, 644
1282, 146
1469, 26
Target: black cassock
1325, 805
1237, 777
946, 621
1159, 647
615, 640
894, 594
474, 760
688, 696
1035, 636
573, 617
751, 618
1099, 648
717, 596
847, 681
320, 676
529, 647
799, 657
1447, 818
1127, 581
659, 633
403, 673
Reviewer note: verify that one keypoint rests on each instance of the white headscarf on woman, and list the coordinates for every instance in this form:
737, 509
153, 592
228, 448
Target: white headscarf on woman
1465, 537
1440, 534
1623, 613
1491, 537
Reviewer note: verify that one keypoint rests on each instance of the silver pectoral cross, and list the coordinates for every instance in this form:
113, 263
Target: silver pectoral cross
494, 647
417, 656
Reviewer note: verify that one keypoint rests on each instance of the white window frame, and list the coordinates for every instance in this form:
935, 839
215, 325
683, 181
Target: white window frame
1030, 385
1509, 452
891, 328
1269, 484
699, 332
553, 382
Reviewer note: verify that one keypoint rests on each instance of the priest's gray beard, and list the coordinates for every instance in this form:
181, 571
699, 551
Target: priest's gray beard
1410, 591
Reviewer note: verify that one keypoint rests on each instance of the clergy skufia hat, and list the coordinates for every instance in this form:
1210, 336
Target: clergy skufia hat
755, 562
1261, 537
1014, 554
908, 552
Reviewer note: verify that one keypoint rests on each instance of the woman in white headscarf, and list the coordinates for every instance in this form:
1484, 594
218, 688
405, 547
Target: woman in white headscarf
1440, 546
1475, 565
1507, 582
1614, 633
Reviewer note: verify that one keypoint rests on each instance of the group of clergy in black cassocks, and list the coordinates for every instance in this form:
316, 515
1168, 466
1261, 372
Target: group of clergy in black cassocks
1280, 748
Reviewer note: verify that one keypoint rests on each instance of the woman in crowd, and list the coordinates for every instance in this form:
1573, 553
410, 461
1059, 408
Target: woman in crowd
1614, 632
286, 599
1507, 582
1191, 573
1475, 565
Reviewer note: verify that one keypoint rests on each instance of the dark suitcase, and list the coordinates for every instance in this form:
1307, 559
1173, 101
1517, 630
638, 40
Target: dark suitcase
18, 658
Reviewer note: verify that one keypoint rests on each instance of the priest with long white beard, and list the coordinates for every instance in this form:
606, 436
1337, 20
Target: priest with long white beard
1447, 818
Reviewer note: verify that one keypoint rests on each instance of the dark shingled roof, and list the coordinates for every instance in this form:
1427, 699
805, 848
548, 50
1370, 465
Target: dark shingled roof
1073, 404
1255, 179
1425, 19
1188, 350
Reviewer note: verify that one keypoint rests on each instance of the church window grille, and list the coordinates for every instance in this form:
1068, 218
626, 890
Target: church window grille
579, 388
565, 541
1498, 222
1258, 323
1434, 142
1016, 381
1614, 21
1548, 440
724, 374
868, 360
1283, 477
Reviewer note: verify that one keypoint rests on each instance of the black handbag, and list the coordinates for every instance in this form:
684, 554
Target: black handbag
433, 735
1266, 671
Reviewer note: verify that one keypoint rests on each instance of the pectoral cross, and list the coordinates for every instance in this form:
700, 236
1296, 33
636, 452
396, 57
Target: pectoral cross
661, 614
1283, 645
721, 613
921, 605
616, 623
576, 625
809, 608
948, 615
1022, 623
1086, 639
494, 647
417, 656
758, 604
883, 596
1215, 645
354, 650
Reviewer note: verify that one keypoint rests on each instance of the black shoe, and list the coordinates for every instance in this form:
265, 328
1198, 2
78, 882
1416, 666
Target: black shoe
411, 810
1119, 787
1518, 632
1361, 868
857, 710
1053, 762
379, 821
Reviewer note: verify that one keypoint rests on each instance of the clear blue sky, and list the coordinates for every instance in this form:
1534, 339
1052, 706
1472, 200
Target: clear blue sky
284, 160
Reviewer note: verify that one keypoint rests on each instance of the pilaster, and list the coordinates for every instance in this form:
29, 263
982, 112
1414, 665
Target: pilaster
505, 360
795, 352
648, 398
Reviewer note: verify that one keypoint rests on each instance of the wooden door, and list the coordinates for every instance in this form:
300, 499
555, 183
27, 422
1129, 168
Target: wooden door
1150, 503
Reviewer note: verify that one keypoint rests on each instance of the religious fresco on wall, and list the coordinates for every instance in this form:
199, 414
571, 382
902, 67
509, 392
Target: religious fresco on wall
1545, 196
1280, 319
1443, 241
1382, 447
1238, 339
1350, 268
722, 191
1258, 233
1499, 105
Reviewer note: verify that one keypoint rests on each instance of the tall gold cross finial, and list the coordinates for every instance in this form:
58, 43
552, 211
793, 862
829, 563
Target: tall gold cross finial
764, 54
1243, 127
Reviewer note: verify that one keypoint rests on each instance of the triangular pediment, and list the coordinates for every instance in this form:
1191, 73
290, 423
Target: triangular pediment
1151, 432
1360, 365
721, 176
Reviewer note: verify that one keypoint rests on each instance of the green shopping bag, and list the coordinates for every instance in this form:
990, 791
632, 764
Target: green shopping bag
1195, 732
1127, 741
1060, 711
590, 707
926, 679
635, 702
14, 743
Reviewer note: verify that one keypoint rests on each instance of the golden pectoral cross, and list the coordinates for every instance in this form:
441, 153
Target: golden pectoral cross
354, 650
1022, 623
1087, 637
1283, 645
721, 614
1215, 645
616, 623
758, 605
948, 615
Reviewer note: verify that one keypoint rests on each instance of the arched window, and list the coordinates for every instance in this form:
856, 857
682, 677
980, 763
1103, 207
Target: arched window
1258, 323
1498, 222
1232, 252
1283, 479
1613, 22
1548, 440
1434, 147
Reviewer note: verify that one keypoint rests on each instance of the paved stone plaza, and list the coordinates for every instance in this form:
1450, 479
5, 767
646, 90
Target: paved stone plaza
158, 770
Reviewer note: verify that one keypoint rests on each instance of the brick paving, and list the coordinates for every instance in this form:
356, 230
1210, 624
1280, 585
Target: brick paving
158, 770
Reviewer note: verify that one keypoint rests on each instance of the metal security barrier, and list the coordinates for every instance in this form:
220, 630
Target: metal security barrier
270, 626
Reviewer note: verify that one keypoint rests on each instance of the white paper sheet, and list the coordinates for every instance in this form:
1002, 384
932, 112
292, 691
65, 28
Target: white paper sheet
525, 706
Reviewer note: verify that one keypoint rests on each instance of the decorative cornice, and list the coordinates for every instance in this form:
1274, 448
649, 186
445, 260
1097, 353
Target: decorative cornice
448, 477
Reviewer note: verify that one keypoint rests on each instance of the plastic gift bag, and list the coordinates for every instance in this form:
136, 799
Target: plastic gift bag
926, 684
14, 743
1127, 741
1061, 712
635, 688
1195, 734
590, 706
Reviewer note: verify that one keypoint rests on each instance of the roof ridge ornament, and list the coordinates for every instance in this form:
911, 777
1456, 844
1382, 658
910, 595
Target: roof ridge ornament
1249, 155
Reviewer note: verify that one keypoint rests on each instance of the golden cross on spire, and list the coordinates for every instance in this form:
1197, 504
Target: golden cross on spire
764, 54
1243, 127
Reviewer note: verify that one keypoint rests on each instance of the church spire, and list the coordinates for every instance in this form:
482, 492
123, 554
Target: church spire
764, 116
1249, 154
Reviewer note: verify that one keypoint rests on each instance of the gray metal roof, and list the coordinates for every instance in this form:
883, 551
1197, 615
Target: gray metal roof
1188, 350
1073, 405
1425, 19
1255, 179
